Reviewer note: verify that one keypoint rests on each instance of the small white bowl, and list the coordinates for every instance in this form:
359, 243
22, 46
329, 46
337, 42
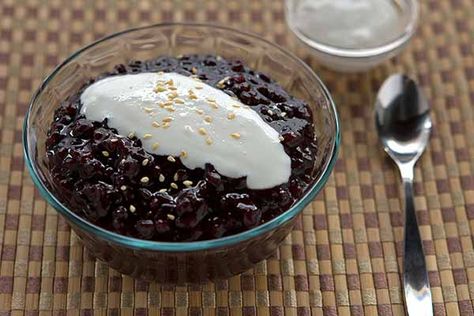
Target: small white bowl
356, 60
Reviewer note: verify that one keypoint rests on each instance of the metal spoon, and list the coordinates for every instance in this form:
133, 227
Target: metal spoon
402, 117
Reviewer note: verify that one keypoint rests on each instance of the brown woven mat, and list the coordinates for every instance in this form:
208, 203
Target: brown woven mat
344, 255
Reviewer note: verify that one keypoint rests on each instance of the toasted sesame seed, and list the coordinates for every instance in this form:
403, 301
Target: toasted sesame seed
161, 178
199, 87
166, 125
123, 187
146, 136
281, 138
270, 112
148, 110
171, 159
192, 97
222, 82
211, 99
175, 177
179, 101
235, 135
132, 208
173, 185
173, 88
208, 119
105, 153
187, 183
170, 108
194, 70
145, 162
114, 140
155, 124
199, 111
172, 95
231, 115
202, 131
208, 140
171, 217
236, 106
167, 119
184, 153
162, 190
160, 89
155, 146
283, 114
170, 82
131, 135
145, 180
161, 104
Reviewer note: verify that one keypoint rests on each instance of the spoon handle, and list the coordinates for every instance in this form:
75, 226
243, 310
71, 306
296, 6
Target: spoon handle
415, 275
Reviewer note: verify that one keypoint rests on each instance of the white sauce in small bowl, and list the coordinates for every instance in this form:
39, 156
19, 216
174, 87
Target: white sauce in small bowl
180, 116
350, 24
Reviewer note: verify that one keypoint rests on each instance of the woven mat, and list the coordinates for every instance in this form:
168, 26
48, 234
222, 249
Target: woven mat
344, 256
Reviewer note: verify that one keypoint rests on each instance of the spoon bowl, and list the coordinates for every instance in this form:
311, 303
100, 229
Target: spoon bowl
402, 118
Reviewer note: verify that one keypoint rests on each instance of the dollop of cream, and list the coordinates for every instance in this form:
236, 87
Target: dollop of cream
180, 116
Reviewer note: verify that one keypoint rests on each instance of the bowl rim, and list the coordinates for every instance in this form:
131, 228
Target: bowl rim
140, 244
362, 53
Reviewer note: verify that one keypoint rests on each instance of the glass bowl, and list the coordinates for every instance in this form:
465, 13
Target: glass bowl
172, 262
355, 59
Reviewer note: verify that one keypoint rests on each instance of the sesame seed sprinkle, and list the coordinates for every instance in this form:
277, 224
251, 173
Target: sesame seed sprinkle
187, 183
202, 131
155, 124
160, 89
199, 87
208, 119
161, 178
281, 138
145, 180
199, 111
131, 135
178, 101
166, 124
235, 135
123, 187
145, 162
283, 114
231, 116
105, 153
171, 159
148, 110
171, 217
163, 190
194, 70
167, 119
270, 112
184, 154
173, 185
132, 208
209, 141
175, 177
155, 146
146, 136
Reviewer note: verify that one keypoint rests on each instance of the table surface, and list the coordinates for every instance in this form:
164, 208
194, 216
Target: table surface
343, 258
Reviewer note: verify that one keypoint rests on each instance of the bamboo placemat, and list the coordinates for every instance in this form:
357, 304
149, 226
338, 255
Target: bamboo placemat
343, 258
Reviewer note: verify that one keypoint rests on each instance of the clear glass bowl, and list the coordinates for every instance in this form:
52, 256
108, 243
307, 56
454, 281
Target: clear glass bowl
186, 261
355, 59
